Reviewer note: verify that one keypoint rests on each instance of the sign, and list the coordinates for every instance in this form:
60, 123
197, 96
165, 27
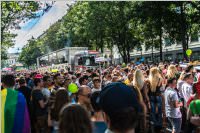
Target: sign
100, 59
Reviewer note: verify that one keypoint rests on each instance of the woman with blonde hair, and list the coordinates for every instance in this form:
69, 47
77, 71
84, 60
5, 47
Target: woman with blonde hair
139, 82
156, 98
139, 85
172, 72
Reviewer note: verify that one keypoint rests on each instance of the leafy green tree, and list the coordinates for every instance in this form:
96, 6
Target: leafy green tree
12, 13
30, 52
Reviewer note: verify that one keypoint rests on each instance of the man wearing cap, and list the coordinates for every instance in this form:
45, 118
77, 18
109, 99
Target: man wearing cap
120, 108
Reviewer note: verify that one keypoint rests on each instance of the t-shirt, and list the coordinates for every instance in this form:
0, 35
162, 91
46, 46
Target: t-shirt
36, 97
195, 107
179, 87
99, 127
186, 91
171, 96
94, 90
46, 92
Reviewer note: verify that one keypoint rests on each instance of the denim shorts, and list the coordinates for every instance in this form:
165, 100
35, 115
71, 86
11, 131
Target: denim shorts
176, 124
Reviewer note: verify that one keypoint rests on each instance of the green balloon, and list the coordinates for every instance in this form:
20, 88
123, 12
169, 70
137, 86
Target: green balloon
188, 52
123, 65
73, 88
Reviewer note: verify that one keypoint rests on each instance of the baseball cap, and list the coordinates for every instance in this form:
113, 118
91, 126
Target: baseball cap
117, 96
38, 76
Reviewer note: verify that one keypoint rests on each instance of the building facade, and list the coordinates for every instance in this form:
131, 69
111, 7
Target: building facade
171, 52
12, 59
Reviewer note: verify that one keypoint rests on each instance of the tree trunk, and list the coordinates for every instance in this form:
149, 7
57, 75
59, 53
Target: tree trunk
152, 52
183, 32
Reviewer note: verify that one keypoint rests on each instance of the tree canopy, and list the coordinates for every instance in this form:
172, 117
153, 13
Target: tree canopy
127, 25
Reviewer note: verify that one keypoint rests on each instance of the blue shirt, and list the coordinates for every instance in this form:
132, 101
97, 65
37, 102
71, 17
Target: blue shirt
99, 127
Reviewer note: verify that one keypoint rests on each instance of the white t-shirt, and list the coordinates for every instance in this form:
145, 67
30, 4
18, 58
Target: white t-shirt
46, 92
186, 91
94, 89
171, 96
179, 87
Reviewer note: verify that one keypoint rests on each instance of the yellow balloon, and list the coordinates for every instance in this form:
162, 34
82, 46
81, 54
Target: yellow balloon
188, 52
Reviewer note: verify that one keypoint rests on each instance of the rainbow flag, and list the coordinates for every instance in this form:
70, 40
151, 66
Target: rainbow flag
14, 112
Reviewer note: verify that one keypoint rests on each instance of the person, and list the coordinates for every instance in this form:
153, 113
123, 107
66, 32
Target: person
97, 118
83, 97
14, 111
139, 82
25, 91
120, 108
74, 118
156, 98
172, 106
172, 72
97, 84
180, 83
78, 76
58, 80
30, 82
193, 111
186, 90
39, 107
129, 79
67, 81
83, 80
62, 99
189, 69
46, 83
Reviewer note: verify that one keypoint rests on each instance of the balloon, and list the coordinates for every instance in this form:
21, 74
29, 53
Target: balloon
123, 65
73, 88
188, 52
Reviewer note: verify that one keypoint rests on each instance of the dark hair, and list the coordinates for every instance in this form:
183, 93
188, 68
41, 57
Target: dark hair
78, 75
55, 76
22, 81
170, 80
89, 70
187, 70
187, 75
61, 99
96, 79
36, 81
82, 79
124, 120
74, 119
126, 70
8, 80
45, 78
93, 99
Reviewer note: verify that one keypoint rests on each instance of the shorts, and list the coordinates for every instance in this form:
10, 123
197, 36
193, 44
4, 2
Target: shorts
176, 124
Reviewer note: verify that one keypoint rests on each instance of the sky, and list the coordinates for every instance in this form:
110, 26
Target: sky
35, 27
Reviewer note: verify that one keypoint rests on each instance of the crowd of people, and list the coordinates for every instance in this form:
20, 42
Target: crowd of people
132, 99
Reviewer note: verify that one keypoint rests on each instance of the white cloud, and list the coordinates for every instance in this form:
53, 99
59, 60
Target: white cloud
57, 11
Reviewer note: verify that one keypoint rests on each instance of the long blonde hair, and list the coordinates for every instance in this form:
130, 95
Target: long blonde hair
154, 78
138, 79
171, 71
